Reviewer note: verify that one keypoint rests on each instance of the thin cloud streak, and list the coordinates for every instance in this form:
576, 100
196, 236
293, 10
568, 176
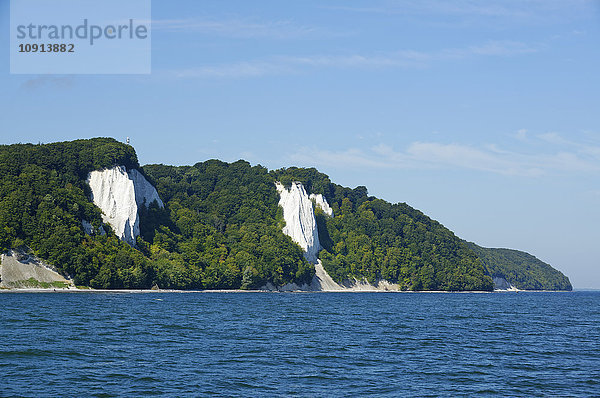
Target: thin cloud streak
518, 10
36, 83
397, 59
240, 29
238, 70
499, 48
435, 155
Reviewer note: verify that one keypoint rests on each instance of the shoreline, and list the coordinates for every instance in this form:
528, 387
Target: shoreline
162, 291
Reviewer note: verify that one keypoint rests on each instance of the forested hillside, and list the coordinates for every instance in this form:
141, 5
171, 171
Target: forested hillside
222, 220
218, 231
372, 238
521, 269
44, 198
221, 227
230, 212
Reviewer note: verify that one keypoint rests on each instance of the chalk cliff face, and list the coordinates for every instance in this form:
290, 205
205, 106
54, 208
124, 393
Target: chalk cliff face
321, 202
502, 284
119, 193
301, 226
300, 223
145, 193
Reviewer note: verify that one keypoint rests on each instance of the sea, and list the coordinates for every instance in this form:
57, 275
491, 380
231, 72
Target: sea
300, 344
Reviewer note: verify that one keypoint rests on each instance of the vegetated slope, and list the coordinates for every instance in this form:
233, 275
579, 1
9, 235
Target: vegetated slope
520, 269
229, 212
374, 239
223, 221
44, 198
221, 226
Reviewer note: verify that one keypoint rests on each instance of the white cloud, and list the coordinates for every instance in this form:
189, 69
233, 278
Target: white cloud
592, 151
280, 65
436, 155
589, 148
397, 59
238, 28
352, 156
513, 11
54, 82
554, 138
237, 70
501, 48
467, 157
521, 135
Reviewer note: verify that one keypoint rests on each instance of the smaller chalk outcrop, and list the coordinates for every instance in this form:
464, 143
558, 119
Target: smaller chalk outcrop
89, 229
321, 202
119, 193
502, 284
145, 193
301, 226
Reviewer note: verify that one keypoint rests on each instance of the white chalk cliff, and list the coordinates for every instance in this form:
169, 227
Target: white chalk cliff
321, 202
145, 193
301, 226
119, 193
299, 216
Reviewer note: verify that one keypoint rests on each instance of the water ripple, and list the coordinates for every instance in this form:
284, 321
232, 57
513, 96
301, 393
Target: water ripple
105, 345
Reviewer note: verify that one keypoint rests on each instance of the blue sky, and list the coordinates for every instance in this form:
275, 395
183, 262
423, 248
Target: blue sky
482, 114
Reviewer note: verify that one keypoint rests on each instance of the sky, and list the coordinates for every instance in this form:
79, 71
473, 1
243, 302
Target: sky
485, 115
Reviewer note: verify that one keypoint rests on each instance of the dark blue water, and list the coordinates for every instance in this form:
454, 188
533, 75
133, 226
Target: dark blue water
317, 344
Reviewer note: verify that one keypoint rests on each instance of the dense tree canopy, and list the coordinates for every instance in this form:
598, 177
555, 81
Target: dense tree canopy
224, 221
371, 238
221, 227
44, 198
521, 269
